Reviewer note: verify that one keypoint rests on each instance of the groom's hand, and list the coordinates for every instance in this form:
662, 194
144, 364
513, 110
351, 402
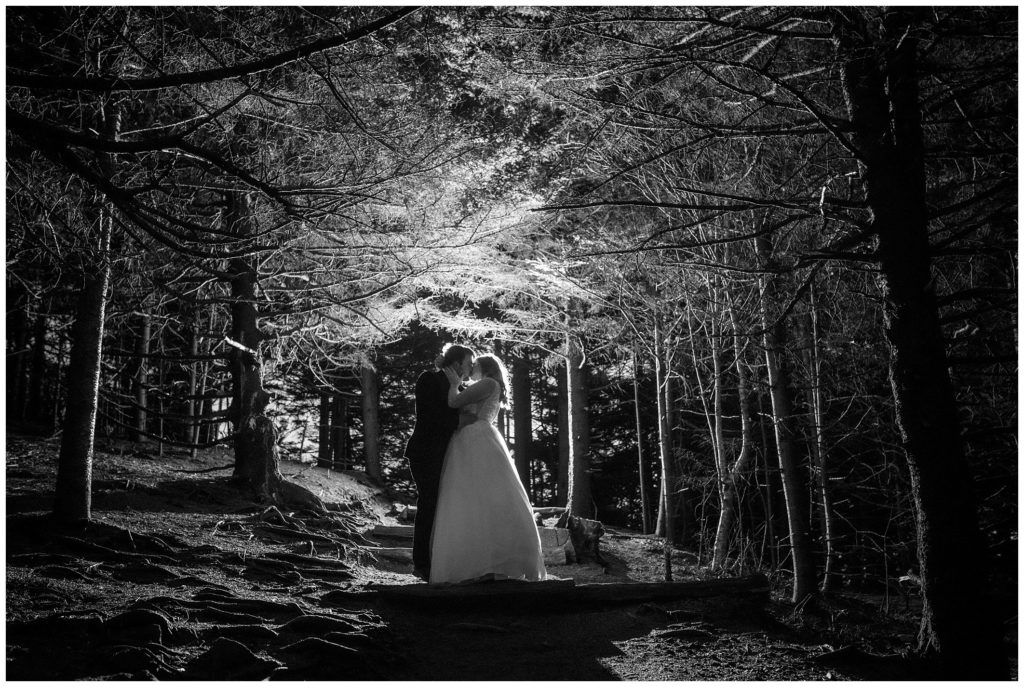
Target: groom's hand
453, 376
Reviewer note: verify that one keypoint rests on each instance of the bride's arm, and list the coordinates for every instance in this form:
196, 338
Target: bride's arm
472, 393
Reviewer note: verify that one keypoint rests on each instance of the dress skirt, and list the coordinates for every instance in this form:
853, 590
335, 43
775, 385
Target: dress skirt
484, 522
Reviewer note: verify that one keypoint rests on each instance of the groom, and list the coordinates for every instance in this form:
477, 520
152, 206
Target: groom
435, 424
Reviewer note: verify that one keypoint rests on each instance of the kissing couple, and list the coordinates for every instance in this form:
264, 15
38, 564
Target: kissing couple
473, 517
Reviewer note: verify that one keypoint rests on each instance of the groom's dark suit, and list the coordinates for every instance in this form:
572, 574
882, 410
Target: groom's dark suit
435, 424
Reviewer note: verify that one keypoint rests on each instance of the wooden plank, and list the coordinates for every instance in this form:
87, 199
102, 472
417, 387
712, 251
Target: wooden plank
499, 591
559, 595
660, 591
397, 531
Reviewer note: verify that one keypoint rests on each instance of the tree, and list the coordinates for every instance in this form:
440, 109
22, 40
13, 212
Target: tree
371, 422
886, 131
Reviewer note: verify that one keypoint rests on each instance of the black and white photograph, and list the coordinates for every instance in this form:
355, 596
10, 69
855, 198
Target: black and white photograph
539, 343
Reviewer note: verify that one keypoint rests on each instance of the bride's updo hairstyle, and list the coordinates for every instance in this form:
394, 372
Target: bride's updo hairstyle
491, 366
454, 353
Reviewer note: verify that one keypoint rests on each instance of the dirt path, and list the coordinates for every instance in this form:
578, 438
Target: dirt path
179, 577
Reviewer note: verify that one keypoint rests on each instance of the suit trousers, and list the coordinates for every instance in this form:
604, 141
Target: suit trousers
426, 472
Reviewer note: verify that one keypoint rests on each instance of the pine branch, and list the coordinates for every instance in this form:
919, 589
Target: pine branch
118, 84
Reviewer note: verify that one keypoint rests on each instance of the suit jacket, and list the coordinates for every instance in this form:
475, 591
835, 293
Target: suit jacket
435, 421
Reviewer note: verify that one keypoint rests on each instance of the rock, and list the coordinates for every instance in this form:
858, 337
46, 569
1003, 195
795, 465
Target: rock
556, 545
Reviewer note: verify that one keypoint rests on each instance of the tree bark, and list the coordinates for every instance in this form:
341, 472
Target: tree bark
522, 420
562, 485
792, 465
192, 407
729, 497
879, 73
37, 373
340, 438
645, 508
141, 379
324, 454
246, 370
371, 422
73, 498
17, 352
666, 526
818, 450
73, 491
578, 501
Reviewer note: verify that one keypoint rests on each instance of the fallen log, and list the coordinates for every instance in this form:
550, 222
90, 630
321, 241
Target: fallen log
552, 595
753, 586
397, 531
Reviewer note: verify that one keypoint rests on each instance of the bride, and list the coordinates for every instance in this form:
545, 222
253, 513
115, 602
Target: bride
484, 526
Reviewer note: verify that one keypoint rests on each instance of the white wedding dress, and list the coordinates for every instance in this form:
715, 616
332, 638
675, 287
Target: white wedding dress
484, 522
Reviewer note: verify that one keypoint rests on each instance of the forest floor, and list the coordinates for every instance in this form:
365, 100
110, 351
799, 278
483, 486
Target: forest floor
179, 576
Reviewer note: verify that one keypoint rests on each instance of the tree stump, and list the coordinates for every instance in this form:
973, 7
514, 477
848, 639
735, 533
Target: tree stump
260, 470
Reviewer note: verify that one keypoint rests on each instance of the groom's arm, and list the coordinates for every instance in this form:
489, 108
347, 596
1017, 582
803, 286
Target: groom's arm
431, 399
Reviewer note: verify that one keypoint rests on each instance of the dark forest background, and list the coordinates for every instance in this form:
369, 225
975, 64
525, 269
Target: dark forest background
753, 270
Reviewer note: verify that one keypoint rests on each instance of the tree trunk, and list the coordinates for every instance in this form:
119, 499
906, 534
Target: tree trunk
563, 439
246, 370
141, 379
37, 374
579, 500
17, 352
261, 472
645, 508
192, 408
371, 422
324, 457
818, 450
340, 436
791, 464
668, 496
73, 491
74, 471
726, 487
522, 421
730, 495
958, 621
769, 492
